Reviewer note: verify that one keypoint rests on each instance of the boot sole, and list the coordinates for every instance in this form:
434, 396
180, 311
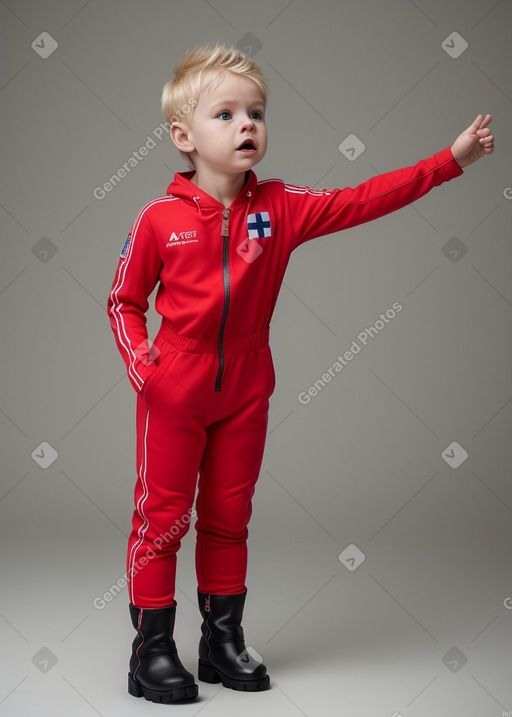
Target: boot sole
181, 693
207, 673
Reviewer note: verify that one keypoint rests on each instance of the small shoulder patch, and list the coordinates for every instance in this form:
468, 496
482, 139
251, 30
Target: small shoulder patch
124, 250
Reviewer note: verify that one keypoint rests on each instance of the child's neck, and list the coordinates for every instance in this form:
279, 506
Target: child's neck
223, 188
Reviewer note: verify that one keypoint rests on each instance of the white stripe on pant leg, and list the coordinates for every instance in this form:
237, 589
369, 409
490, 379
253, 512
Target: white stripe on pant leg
140, 509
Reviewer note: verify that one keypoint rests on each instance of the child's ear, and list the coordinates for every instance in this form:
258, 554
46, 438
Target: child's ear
180, 135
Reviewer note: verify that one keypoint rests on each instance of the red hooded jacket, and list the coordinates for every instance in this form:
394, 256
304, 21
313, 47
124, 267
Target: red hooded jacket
220, 270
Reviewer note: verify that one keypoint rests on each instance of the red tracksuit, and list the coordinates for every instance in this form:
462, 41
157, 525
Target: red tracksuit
202, 403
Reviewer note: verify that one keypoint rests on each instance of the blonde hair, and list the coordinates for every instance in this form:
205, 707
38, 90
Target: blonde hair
181, 94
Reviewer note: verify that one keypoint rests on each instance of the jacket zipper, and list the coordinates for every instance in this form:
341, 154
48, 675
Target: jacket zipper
225, 275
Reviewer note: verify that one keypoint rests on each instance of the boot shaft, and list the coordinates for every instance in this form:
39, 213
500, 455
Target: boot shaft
155, 628
222, 616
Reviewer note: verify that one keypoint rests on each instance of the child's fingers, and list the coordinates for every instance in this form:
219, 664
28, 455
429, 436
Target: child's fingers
476, 124
487, 120
487, 143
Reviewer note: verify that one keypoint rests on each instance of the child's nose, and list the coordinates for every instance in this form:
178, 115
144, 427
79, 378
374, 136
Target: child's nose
248, 123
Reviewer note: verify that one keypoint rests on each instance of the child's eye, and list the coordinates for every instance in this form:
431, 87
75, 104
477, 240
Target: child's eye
224, 115
257, 115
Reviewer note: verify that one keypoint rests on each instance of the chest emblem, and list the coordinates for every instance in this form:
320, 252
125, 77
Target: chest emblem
258, 225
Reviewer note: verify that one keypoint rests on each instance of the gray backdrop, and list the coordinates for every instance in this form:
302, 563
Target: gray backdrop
379, 551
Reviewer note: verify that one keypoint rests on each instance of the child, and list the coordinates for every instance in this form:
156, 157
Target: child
218, 243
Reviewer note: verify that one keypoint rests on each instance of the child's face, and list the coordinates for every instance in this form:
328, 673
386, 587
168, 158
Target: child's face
229, 114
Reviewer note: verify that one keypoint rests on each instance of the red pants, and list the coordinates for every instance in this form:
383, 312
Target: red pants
186, 428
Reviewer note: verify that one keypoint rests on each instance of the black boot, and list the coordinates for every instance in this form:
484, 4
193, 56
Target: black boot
155, 668
223, 656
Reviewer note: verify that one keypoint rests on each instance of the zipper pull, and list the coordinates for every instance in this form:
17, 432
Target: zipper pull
207, 604
224, 232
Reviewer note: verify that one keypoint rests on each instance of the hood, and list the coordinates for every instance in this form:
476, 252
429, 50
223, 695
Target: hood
182, 187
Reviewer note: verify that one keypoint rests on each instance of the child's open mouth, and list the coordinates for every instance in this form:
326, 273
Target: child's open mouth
248, 147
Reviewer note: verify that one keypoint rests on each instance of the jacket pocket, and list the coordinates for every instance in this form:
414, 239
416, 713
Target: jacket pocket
155, 376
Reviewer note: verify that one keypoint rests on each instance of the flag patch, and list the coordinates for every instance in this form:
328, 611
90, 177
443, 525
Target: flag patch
124, 250
258, 225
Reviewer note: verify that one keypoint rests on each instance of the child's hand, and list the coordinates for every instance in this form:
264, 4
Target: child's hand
474, 142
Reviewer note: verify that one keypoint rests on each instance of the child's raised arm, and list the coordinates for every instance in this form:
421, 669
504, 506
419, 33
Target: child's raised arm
318, 212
